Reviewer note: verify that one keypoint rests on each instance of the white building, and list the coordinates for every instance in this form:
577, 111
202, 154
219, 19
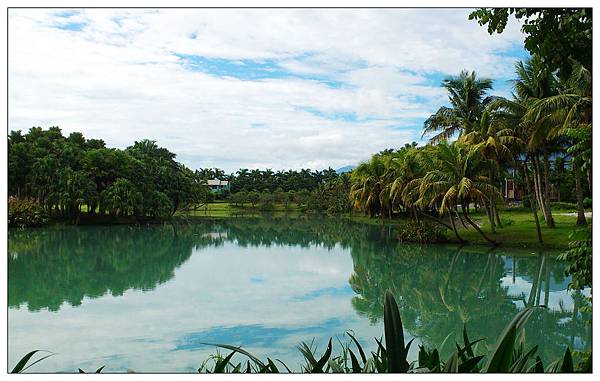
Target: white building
218, 185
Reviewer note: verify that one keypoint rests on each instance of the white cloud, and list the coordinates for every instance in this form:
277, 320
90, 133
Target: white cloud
119, 78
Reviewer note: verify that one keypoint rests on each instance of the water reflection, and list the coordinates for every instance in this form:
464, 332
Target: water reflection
266, 284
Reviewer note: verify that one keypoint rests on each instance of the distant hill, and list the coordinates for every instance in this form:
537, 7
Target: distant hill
345, 169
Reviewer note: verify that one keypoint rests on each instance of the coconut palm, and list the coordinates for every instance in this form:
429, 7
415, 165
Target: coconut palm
468, 98
570, 114
534, 83
457, 180
368, 180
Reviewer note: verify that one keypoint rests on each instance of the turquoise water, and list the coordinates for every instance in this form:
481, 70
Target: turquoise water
147, 298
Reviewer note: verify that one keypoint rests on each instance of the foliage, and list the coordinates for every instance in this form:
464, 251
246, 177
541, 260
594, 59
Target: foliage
420, 231
587, 202
70, 176
25, 212
579, 259
558, 34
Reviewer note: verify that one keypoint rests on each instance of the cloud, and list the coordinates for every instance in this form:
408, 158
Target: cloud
327, 87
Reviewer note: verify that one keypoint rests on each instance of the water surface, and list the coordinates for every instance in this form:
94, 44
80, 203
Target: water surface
147, 298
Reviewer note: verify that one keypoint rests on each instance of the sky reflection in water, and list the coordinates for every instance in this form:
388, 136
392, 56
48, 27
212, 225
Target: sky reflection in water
146, 298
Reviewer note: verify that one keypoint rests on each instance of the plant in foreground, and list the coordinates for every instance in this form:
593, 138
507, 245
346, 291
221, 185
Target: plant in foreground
509, 355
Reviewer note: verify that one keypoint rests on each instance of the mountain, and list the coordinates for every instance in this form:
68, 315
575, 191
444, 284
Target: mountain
345, 169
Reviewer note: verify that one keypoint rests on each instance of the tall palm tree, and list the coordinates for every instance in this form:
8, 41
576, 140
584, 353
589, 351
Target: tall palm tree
468, 98
535, 82
570, 114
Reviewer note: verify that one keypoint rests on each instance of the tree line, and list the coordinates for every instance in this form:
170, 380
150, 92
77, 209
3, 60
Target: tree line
476, 140
70, 176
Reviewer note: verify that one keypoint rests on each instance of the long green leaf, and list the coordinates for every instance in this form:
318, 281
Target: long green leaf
394, 335
20, 367
500, 359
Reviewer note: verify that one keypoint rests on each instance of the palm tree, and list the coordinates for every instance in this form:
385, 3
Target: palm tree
468, 98
535, 82
494, 140
368, 181
457, 180
570, 114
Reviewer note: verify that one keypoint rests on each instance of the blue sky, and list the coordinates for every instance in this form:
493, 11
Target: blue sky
247, 88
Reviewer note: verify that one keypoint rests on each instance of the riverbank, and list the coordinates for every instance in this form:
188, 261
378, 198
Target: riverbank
518, 229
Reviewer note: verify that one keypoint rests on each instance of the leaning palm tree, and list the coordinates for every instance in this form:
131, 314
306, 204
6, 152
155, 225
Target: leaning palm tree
457, 180
494, 140
468, 98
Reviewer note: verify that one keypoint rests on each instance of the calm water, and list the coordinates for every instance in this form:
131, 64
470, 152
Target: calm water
146, 298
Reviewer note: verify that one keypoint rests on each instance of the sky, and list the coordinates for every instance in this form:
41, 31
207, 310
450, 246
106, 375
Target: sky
247, 88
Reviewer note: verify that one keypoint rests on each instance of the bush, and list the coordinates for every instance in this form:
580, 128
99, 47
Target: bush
563, 206
526, 202
25, 212
587, 203
422, 232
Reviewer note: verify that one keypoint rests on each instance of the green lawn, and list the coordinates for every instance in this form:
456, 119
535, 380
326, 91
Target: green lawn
518, 230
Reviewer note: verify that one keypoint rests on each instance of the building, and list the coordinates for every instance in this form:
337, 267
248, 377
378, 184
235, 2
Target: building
218, 186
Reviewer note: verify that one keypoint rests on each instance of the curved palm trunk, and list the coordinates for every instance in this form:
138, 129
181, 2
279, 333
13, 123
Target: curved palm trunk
490, 215
550, 219
454, 227
533, 201
474, 225
537, 186
580, 209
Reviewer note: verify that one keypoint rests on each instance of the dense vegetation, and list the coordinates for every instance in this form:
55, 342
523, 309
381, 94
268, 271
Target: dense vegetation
71, 176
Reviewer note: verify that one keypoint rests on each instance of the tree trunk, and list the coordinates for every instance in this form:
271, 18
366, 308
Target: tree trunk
537, 178
550, 219
490, 214
580, 209
481, 232
498, 222
454, 226
533, 201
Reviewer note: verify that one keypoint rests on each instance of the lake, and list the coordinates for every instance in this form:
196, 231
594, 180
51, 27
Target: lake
147, 298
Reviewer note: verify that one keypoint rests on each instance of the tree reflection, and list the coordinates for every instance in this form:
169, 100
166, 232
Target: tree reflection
438, 288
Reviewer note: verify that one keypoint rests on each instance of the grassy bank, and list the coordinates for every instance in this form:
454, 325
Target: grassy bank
518, 225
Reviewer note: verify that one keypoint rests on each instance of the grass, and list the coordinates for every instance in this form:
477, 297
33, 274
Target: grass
518, 231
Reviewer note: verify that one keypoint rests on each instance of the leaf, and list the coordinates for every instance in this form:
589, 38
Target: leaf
99, 370
469, 365
500, 358
451, 364
335, 367
355, 365
360, 350
20, 367
239, 350
519, 364
318, 368
222, 364
394, 335
567, 363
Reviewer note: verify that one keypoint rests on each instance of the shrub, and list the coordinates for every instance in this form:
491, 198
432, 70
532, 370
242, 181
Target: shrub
526, 202
587, 203
24, 212
421, 232
563, 206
